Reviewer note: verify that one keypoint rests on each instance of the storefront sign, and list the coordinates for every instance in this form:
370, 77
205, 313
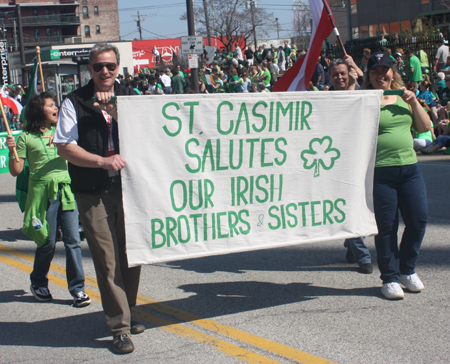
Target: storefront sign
5, 62
53, 54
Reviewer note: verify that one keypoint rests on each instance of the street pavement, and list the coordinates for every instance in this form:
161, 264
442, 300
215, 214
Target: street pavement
300, 304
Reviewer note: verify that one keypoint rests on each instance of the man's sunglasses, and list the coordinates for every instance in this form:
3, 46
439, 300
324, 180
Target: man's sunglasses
97, 67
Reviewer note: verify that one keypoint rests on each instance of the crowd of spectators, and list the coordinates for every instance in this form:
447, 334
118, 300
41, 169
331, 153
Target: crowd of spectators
248, 70
235, 71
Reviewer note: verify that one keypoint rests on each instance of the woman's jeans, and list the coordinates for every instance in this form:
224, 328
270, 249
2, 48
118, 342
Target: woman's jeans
399, 188
68, 220
442, 141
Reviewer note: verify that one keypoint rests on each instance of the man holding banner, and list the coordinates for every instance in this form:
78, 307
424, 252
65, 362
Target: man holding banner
357, 252
87, 136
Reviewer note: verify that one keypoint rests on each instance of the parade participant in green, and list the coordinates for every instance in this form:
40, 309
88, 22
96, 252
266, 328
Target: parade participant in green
49, 200
398, 183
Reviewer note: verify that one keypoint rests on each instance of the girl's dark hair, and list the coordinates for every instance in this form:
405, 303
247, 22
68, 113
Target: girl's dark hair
34, 112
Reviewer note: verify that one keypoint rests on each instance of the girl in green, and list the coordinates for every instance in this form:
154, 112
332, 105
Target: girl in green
49, 201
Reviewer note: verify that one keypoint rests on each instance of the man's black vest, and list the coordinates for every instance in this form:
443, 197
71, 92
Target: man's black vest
93, 137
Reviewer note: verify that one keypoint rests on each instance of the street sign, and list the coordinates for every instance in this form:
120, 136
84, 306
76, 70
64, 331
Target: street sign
193, 60
191, 45
4, 74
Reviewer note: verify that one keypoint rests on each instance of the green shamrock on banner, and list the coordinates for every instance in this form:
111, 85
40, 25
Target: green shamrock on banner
319, 154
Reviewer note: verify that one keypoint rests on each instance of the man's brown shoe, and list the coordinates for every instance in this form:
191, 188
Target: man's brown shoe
136, 327
122, 344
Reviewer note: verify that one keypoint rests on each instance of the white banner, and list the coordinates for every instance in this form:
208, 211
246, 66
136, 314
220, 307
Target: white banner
215, 174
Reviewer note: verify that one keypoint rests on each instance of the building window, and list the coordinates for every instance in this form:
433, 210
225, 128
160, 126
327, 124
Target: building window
364, 31
355, 32
405, 24
35, 12
85, 12
46, 11
373, 30
394, 27
97, 29
56, 33
37, 32
353, 6
48, 31
87, 31
95, 10
384, 28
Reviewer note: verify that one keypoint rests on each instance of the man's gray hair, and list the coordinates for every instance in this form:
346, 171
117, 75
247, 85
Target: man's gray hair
103, 47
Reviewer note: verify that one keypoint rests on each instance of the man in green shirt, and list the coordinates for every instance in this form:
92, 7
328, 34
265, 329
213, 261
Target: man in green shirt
177, 83
287, 52
414, 70
180, 72
382, 41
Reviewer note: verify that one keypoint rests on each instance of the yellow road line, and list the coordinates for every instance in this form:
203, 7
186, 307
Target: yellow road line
254, 340
223, 346
53, 267
170, 326
211, 325
53, 279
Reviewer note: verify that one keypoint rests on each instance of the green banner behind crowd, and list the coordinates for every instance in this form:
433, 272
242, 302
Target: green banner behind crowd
4, 150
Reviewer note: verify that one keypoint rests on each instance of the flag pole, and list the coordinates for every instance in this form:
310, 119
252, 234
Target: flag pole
5, 120
336, 31
38, 51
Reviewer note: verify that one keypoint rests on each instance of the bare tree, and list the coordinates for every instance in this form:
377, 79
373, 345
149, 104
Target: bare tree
230, 20
302, 24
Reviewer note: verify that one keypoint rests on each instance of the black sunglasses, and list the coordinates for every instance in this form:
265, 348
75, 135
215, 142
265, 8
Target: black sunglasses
97, 67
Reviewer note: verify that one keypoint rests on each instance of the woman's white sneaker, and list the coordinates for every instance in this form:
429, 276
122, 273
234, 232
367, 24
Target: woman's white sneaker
412, 282
392, 291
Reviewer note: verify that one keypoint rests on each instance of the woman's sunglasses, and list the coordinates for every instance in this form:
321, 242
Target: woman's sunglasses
97, 67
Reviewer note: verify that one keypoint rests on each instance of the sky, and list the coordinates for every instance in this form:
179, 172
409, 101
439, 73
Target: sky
161, 19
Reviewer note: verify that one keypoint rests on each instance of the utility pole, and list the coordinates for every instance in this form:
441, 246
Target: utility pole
208, 30
191, 32
139, 26
278, 29
15, 36
252, 5
22, 50
139, 22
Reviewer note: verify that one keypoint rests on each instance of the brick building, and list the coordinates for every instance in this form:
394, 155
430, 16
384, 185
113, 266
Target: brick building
99, 20
370, 18
46, 22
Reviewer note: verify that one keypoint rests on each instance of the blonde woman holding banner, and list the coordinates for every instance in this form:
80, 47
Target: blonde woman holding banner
398, 182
